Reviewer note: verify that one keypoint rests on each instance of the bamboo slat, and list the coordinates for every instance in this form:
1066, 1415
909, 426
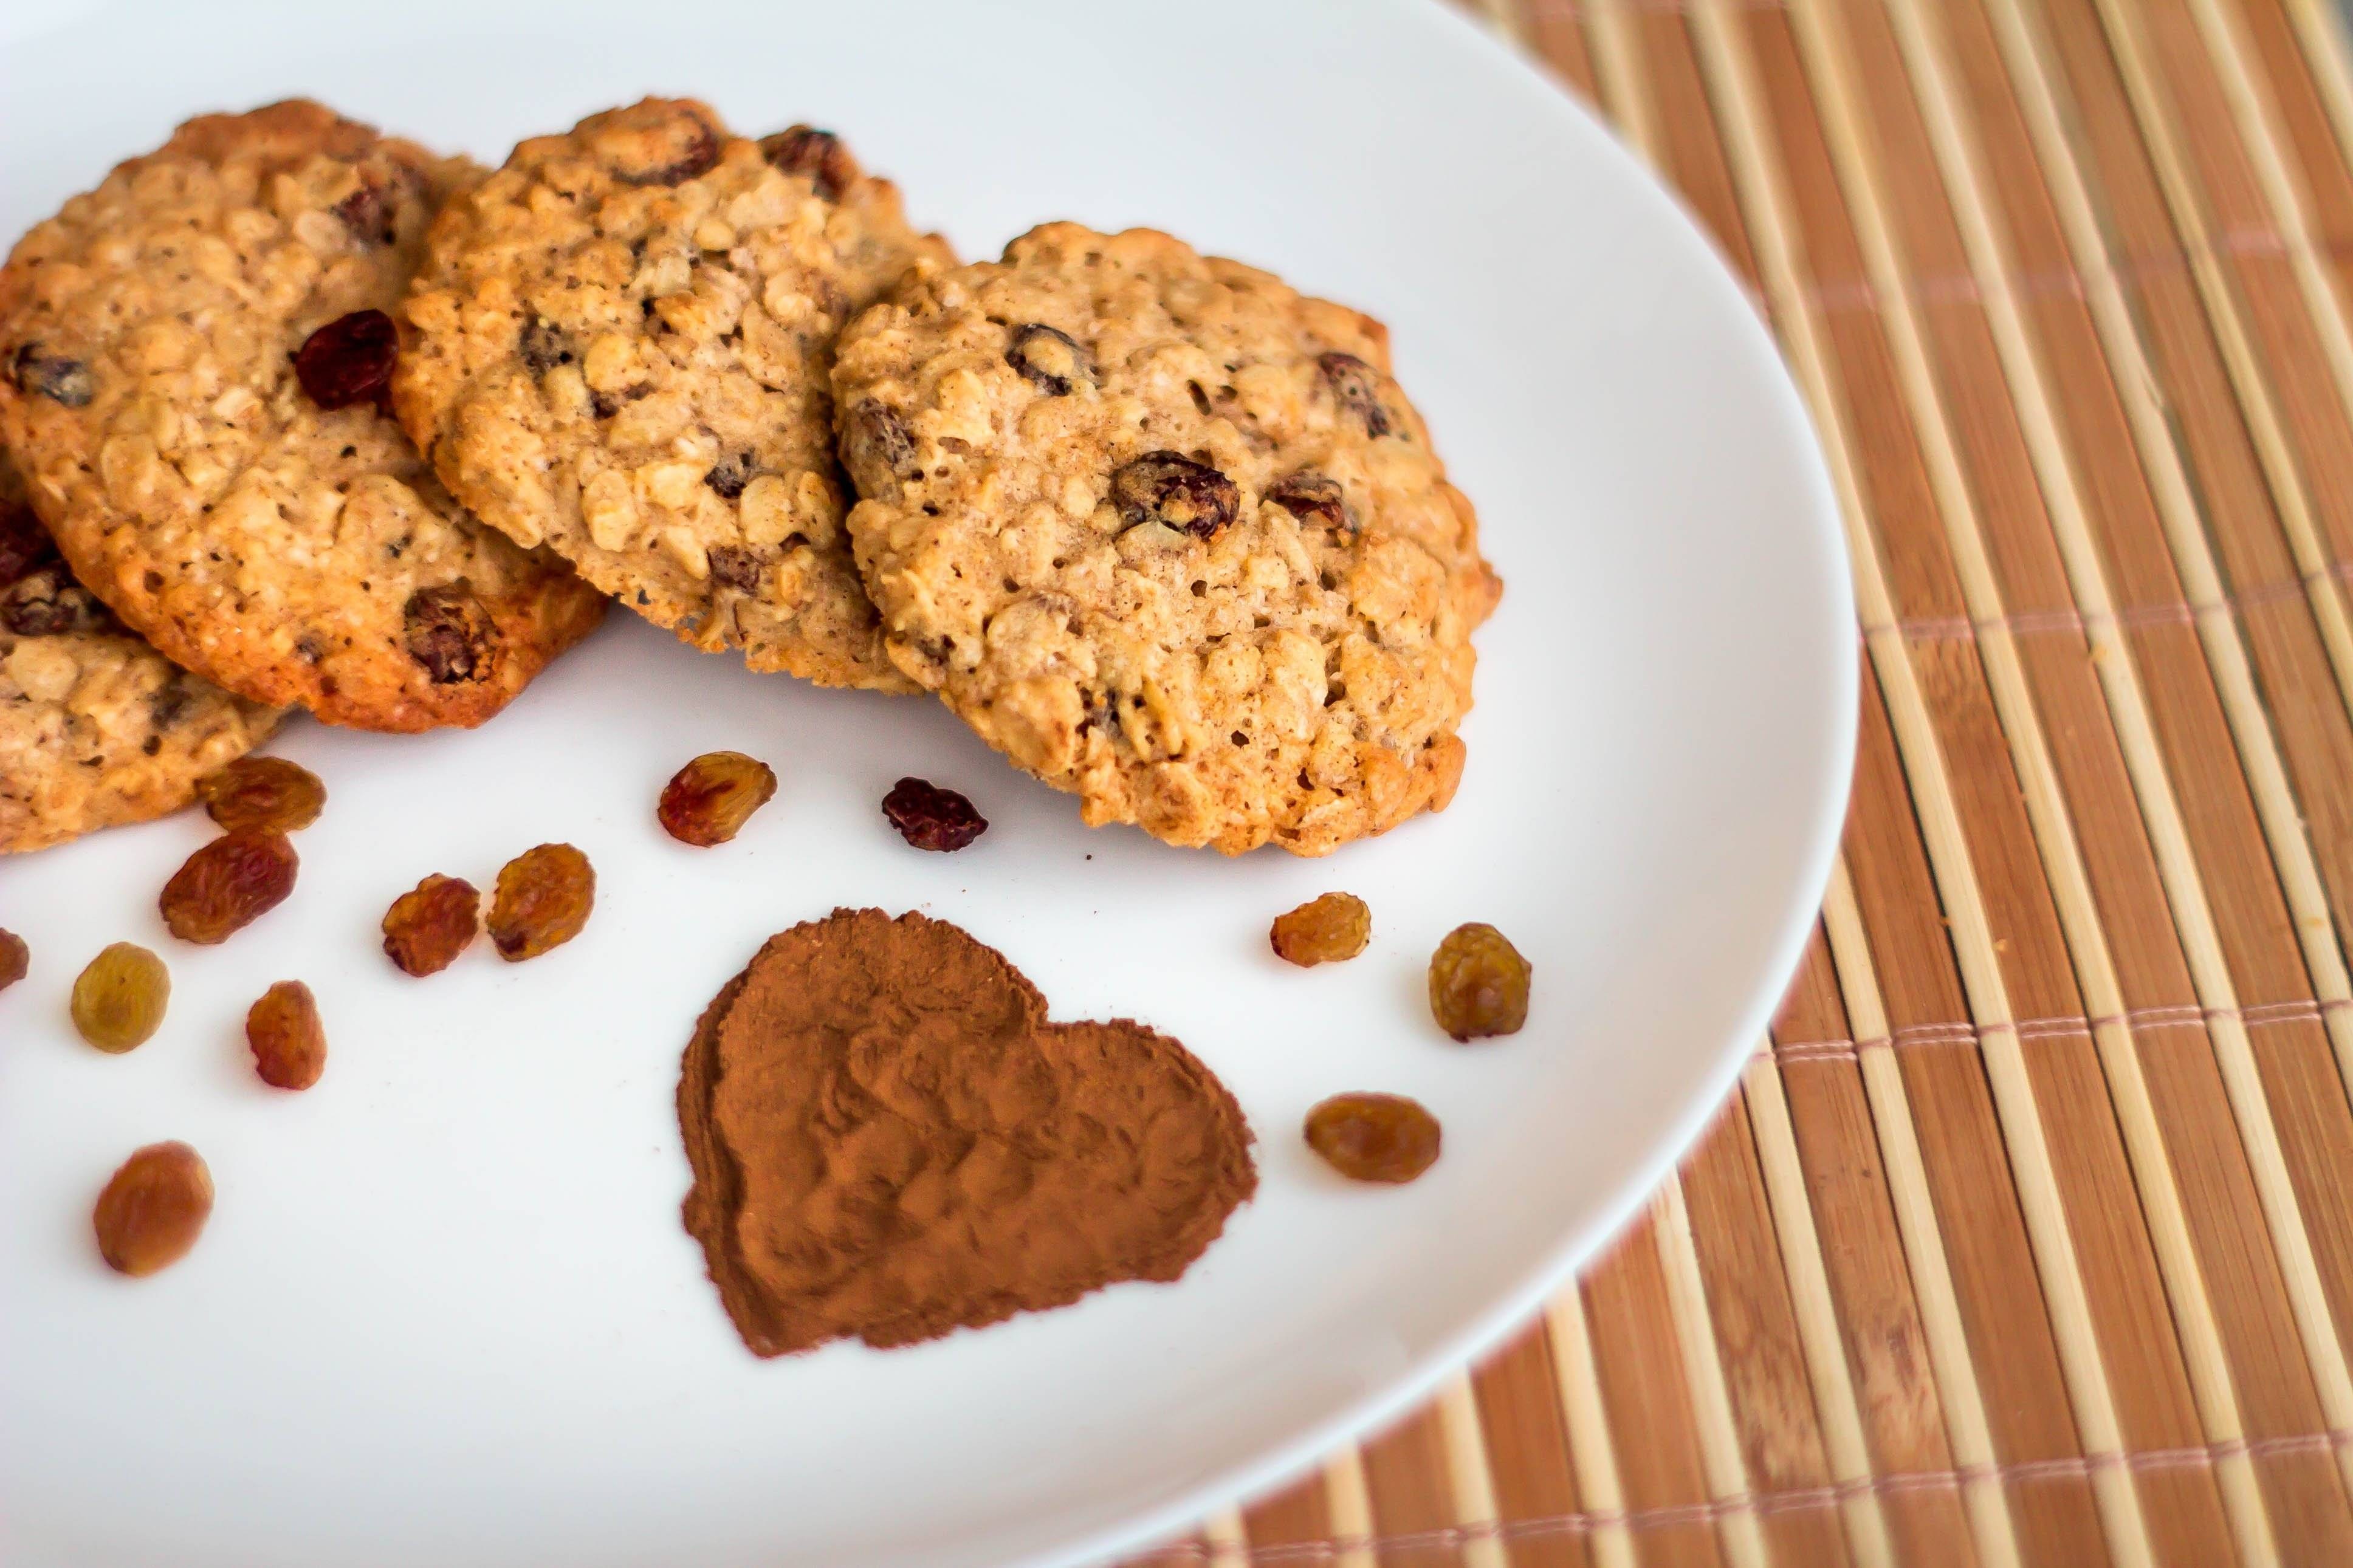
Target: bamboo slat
2028, 1238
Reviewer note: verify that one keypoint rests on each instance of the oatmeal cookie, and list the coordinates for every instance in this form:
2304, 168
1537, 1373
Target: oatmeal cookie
1166, 533
192, 365
97, 729
619, 345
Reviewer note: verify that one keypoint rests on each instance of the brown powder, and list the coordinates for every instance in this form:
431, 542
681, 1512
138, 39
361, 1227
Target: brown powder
889, 1140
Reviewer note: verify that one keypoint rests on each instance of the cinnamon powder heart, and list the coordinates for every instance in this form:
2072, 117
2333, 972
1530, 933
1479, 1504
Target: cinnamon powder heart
889, 1140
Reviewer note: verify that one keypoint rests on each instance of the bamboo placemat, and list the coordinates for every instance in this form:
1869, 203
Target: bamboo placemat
2029, 1237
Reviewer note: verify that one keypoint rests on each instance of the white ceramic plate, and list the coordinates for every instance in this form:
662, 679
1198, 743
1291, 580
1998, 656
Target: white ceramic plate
445, 1314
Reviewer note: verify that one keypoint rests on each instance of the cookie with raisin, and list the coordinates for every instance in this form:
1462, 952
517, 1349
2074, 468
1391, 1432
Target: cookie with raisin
619, 345
1166, 533
192, 362
97, 729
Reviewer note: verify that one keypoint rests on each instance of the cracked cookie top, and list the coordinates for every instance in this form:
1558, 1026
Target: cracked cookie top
192, 362
619, 344
1166, 533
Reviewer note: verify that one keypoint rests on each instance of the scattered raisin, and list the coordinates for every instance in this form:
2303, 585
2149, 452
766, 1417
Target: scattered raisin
729, 474
170, 702
707, 801
47, 602
930, 817
119, 1000
16, 958
263, 795
874, 441
543, 899
1374, 1137
152, 1209
429, 926
818, 155
449, 633
1478, 984
1173, 490
53, 376
691, 149
1322, 930
349, 360
1357, 385
736, 566
544, 346
1051, 361
1310, 497
289, 1044
227, 885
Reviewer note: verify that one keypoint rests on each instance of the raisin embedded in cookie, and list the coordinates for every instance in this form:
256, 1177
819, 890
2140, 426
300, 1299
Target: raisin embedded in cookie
97, 729
1166, 533
193, 368
620, 344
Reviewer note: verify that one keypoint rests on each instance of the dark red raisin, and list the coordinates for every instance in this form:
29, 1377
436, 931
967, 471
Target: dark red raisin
349, 360
429, 926
876, 443
684, 148
227, 884
450, 633
15, 959
729, 474
1357, 386
1052, 360
1310, 497
53, 376
930, 817
816, 155
24, 545
736, 566
1173, 490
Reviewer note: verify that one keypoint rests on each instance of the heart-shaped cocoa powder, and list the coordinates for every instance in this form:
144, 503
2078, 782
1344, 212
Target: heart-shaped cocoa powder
889, 1140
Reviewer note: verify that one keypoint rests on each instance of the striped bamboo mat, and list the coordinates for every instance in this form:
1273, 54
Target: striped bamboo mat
2029, 1238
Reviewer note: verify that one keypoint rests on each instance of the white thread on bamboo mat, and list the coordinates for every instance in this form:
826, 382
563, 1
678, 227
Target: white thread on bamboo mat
2161, 138
1602, 1524
2135, 381
2175, 1254
1724, 58
2226, 660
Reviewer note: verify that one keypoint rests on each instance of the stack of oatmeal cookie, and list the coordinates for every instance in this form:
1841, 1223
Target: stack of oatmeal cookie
331, 422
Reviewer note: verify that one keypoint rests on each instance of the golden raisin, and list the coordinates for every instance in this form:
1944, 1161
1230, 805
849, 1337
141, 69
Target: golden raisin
429, 926
15, 959
263, 795
707, 801
227, 885
543, 899
288, 1042
152, 1209
1478, 984
1374, 1137
119, 1000
1322, 930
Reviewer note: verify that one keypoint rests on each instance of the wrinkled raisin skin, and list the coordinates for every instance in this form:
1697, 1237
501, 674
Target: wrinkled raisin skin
816, 155
263, 795
1357, 387
287, 1042
707, 801
24, 545
429, 926
349, 360
1374, 1137
53, 376
1312, 497
227, 885
1050, 361
1327, 930
543, 899
930, 817
120, 997
1478, 984
152, 1209
450, 633
16, 958
698, 154
875, 440
736, 566
1173, 490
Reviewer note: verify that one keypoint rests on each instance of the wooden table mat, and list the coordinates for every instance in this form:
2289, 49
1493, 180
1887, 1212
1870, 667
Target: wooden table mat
2028, 1238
